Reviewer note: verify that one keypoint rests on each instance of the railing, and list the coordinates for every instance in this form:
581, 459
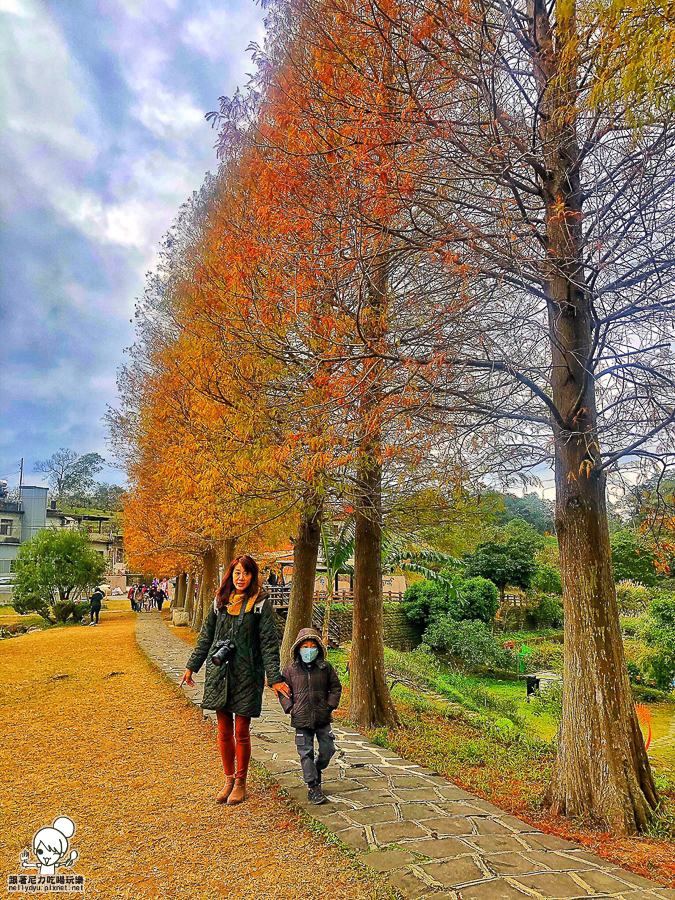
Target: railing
334, 632
281, 595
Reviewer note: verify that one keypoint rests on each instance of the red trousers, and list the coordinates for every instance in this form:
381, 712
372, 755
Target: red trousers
231, 752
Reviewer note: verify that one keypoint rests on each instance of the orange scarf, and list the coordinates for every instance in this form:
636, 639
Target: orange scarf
234, 605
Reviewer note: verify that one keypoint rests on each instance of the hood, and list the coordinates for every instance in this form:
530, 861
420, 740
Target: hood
304, 635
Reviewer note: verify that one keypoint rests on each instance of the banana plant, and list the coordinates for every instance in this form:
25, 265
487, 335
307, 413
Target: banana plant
450, 575
337, 548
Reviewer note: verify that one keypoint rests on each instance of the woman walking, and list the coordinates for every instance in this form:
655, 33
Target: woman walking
239, 642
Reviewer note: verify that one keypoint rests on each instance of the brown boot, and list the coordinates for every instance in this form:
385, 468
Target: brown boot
225, 792
238, 794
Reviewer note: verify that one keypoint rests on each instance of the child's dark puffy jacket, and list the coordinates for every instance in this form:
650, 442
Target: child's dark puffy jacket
315, 689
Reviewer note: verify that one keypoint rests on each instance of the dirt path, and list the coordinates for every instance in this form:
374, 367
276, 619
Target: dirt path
113, 746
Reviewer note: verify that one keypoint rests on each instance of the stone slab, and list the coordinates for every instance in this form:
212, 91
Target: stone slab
450, 825
373, 815
553, 885
496, 843
439, 849
386, 860
496, 889
513, 864
408, 884
461, 870
485, 825
395, 832
417, 812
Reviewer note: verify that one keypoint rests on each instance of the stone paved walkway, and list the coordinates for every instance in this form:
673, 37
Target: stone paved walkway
433, 839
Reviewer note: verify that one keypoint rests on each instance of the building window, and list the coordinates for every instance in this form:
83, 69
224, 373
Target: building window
6, 526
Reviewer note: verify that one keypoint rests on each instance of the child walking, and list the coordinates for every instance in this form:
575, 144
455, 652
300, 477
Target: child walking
315, 691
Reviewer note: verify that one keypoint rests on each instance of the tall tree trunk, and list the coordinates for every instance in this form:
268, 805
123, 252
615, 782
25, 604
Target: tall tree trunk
209, 580
190, 594
198, 610
601, 769
305, 553
370, 700
181, 589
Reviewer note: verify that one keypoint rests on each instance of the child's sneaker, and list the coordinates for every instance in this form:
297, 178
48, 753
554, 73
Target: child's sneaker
315, 795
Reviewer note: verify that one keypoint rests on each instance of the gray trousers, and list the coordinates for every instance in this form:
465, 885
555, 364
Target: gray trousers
304, 741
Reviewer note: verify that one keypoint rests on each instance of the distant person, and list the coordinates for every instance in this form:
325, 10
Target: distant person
138, 598
95, 605
160, 597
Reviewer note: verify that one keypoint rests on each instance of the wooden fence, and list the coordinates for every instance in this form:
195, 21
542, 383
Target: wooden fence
281, 595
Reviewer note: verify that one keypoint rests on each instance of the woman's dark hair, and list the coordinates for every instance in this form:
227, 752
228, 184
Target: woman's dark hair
227, 584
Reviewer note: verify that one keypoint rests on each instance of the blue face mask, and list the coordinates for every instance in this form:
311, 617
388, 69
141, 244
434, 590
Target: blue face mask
309, 654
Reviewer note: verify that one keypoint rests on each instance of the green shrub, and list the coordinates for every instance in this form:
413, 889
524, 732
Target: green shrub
549, 701
658, 664
546, 655
547, 580
63, 609
477, 598
630, 625
662, 609
548, 613
80, 610
472, 598
472, 642
659, 661
631, 597
425, 600
633, 670
632, 561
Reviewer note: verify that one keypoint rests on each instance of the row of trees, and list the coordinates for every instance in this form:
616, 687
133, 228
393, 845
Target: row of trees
439, 246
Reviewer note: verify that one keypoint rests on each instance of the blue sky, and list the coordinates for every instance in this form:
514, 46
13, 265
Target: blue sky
103, 137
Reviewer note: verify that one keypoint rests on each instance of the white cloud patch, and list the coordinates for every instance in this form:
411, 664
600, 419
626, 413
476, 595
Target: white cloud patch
166, 115
225, 33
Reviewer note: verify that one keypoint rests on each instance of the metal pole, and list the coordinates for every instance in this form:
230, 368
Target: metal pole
20, 480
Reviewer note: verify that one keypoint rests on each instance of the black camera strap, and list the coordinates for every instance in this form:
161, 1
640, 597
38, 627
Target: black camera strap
240, 616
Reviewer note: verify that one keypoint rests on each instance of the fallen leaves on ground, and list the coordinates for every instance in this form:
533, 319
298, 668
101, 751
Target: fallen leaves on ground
134, 764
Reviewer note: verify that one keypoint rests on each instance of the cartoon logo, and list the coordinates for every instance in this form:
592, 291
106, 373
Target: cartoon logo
50, 846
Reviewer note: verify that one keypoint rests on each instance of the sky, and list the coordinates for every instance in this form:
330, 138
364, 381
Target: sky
102, 137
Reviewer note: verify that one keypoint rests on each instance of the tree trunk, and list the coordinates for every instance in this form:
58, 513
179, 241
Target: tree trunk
370, 701
229, 551
305, 553
210, 581
601, 771
190, 594
181, 589
196, 622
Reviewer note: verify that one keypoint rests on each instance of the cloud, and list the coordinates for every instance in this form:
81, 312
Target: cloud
224, 32
167, 115
103, 138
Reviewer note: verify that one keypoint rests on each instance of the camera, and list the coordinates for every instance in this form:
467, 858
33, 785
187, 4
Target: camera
223, 652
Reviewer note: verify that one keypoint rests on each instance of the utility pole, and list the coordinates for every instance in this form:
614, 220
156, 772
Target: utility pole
20, 480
